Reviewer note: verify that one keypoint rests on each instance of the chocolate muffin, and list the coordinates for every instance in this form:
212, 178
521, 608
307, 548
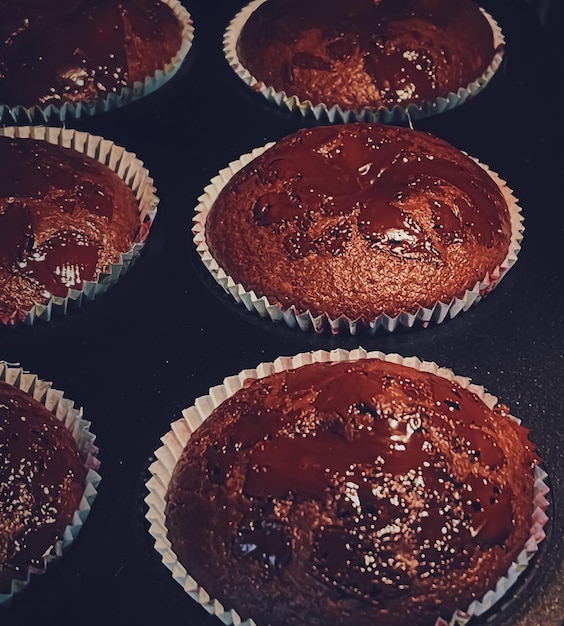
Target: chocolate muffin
353, 492
42, 480
76, 51
64, 218
361, 221
363, 54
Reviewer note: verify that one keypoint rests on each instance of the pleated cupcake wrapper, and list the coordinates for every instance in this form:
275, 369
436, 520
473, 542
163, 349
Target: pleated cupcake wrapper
130, 169
55, 114
334, 113
176, 439
305, 320
64, 410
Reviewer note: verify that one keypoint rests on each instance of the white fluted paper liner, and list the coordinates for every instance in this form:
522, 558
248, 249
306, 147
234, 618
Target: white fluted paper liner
305, 320
130, 169
64, 410
334, 113
52, 114
176, 439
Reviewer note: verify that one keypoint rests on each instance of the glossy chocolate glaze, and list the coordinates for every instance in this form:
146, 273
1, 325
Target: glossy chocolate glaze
63, 218
400, 201
362, 484
41, 482
362, 53
54, 52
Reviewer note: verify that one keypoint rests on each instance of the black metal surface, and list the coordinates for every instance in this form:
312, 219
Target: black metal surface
166, 332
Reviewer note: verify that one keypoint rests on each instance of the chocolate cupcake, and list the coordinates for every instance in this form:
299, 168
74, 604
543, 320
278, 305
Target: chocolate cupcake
48, 476
339, 488
364, 60
69, 59
357, 225
70, 223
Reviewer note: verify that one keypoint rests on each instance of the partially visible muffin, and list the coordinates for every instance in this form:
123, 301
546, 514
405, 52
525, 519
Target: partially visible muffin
360, 220
81, 50
64, 218
362, 54
42, 480
354, 492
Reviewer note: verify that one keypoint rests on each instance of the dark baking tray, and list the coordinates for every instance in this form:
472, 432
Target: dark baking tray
166, 333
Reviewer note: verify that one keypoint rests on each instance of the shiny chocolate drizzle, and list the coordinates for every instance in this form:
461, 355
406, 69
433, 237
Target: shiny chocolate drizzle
63, 218
407, 466
360, 220
53, 52
67, 257
41, 482
365, 53
359, 180
266, 540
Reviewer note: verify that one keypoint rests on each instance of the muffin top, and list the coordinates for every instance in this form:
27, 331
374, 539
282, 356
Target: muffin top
64, 217
53, 52
359, 220
362, 53
351, 492
41, 482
